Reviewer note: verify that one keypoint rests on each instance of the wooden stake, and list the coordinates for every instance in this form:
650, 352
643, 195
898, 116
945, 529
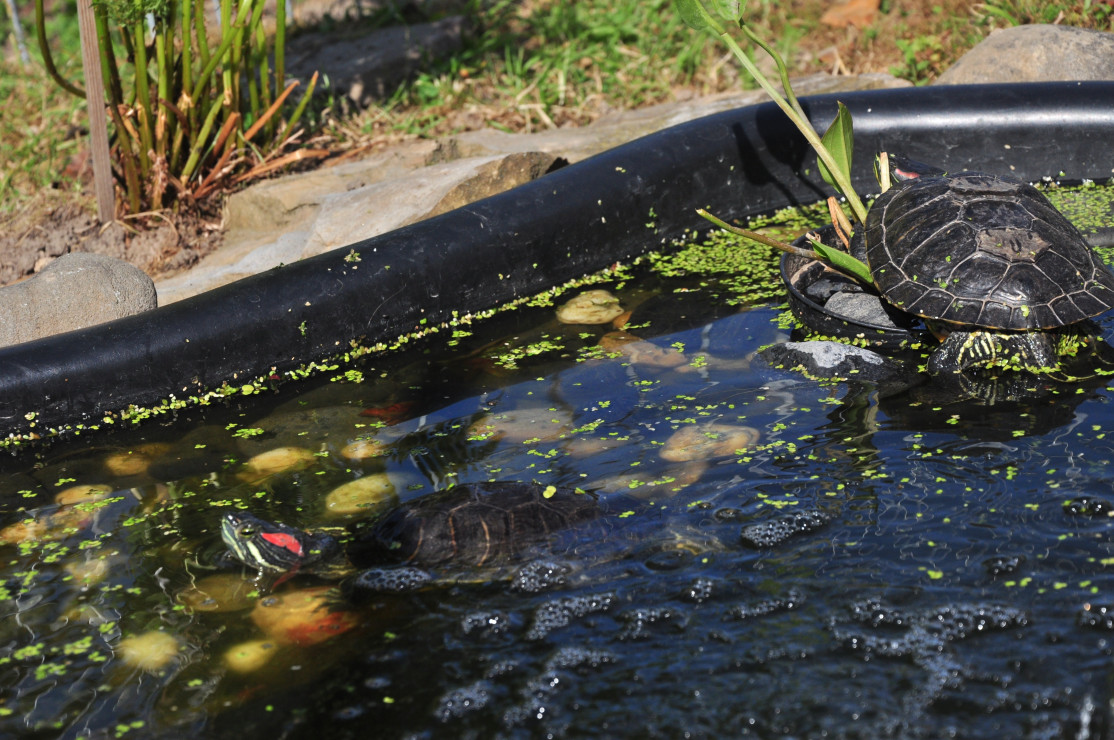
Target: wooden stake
98, 119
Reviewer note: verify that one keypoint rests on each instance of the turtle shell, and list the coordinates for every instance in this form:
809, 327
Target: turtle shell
983, 251
473, 524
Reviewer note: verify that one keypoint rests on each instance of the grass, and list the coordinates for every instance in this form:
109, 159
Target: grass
41, 126
536, 64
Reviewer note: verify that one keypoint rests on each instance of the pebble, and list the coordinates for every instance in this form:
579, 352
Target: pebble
638, 351
82, 494
150, 651
135, 461
279, 460
250, 655
364, 496
708, 440
590, 307
222, 592
362, 449
530, 424
303, 617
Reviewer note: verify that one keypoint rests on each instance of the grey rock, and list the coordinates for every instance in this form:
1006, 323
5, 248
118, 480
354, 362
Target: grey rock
72, 292
864, 308
1034, 54
371, 66
290, 202
495, 177
316, 221
824, 359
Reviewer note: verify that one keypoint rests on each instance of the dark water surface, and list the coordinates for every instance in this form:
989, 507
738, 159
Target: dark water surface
910, 565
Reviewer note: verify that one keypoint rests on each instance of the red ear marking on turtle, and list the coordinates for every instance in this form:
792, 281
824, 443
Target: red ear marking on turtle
285, 541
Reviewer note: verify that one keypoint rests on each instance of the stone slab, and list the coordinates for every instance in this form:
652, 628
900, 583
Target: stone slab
290, 218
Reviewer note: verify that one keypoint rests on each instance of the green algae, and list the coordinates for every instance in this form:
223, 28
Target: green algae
1089, 206
733, 270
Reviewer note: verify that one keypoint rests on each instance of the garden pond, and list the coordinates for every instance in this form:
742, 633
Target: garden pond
780, 555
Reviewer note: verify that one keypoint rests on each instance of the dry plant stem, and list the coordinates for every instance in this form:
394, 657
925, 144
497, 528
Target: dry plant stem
839, 222
277, 164
790, 97
266, 117
884, 171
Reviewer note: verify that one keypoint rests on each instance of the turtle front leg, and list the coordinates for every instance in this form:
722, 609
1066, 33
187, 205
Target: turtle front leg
965, 350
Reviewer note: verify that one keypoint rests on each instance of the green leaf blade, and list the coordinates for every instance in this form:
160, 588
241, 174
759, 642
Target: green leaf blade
696, 16
840, 142
730, 10
843, 262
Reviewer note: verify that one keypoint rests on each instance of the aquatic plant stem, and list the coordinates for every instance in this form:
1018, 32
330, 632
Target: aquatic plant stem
803, 125
781, 69
835, 258
760, 238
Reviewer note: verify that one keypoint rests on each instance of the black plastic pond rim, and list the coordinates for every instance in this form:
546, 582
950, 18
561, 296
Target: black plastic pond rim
575, 221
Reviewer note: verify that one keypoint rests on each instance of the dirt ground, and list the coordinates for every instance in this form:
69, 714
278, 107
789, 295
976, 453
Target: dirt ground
56, 223
60, 220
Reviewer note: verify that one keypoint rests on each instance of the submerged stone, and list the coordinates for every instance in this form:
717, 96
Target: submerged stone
150, 651
249, 656
590, 307
708, 440
364, 496
826, 359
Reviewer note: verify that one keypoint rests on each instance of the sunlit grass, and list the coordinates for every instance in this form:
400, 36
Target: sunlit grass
41, 130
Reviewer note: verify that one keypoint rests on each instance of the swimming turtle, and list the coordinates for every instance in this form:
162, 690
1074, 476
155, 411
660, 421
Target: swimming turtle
988, 262
472, 524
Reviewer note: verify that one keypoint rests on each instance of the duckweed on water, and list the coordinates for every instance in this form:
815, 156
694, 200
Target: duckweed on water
761, 579
744, 275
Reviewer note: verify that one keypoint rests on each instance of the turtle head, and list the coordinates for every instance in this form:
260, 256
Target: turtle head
902, 168
275, 548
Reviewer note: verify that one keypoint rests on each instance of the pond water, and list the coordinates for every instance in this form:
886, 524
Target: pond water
782, 556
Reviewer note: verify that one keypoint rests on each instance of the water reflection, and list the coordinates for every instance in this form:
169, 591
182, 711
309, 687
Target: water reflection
799, 557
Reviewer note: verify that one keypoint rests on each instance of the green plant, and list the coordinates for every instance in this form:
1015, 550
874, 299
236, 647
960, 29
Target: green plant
186, 105
918, 64
1086, 13
834, 150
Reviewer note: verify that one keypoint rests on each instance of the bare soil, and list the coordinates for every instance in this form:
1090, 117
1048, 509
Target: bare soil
57, 223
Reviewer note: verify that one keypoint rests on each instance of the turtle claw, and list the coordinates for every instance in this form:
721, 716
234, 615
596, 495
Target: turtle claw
963, 351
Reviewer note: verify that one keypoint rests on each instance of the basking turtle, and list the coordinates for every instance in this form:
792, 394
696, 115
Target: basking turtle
988, 262
473, 524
